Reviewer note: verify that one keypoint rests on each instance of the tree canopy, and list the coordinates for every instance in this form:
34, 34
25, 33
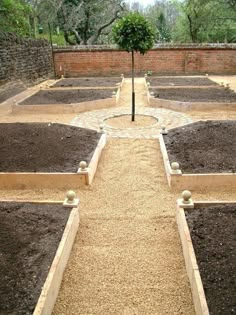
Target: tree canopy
14, 16
84, 22
134, 33
194, 21
201, 21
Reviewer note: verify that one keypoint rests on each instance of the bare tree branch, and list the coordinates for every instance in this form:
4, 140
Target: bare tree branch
95, 37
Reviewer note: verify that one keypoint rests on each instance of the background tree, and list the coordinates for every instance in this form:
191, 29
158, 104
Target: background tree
196, 13
14, 16
82, 22
205, 21
134, 33
163, 29
162, 15
231, 3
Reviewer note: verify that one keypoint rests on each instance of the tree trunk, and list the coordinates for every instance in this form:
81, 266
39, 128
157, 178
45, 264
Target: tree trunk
67, 39
133, 94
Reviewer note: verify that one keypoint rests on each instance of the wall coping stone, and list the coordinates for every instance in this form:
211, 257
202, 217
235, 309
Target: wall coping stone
167, 46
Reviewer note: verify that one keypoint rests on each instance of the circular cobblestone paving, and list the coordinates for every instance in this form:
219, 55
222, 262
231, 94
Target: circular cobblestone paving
163, 117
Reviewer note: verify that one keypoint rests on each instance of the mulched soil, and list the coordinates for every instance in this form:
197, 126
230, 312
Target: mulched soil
196, 94
173, 81
213, 233
45, 97
43, 147
29, 237
102, 81
203, 147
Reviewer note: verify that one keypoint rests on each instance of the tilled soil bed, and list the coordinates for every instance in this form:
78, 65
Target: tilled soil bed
10, 89
174, 81
218, 95
203, 147
101, 81
213, 233
29, 237
46, 97
45, 147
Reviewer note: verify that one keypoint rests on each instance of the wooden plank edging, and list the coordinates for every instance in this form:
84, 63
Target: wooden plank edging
194, 181
182, 106
96, 157
52, 284
66, 109
39, 180
198, 294
165, 159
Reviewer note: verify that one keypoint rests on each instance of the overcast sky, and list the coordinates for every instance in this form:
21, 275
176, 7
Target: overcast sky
143, 2
146, 2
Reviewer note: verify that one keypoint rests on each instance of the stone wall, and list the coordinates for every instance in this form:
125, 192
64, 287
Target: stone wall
163, 59
24, 59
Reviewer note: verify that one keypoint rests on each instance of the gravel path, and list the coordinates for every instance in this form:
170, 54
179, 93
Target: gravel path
127, 254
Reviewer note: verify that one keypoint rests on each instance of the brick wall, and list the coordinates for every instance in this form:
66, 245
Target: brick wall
164, 59
27, 60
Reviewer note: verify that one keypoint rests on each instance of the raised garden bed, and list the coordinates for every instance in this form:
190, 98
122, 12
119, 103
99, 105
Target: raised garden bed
180, 81
35, 243
45, 97
89, 82
205, 152
67, 101
184, 99
195, 94
43, 155
207, 234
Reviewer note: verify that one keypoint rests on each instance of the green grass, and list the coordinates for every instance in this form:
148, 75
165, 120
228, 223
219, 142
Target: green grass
56, 39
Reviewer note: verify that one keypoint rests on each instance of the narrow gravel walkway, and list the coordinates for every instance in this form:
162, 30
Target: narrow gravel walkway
140, 93
127, 257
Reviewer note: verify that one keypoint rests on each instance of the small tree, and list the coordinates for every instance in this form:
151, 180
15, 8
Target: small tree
134, 33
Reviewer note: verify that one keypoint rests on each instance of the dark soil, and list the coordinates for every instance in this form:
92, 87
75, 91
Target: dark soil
196, 95
203, 147
102, 81
46, 97
29, 237
173, 81
10, 89
42, 147
213, 233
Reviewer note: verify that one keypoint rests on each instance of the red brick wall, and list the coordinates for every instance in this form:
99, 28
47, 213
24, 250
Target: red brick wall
192, 59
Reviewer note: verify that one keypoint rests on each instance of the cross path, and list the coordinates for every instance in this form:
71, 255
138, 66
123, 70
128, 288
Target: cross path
164, 117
